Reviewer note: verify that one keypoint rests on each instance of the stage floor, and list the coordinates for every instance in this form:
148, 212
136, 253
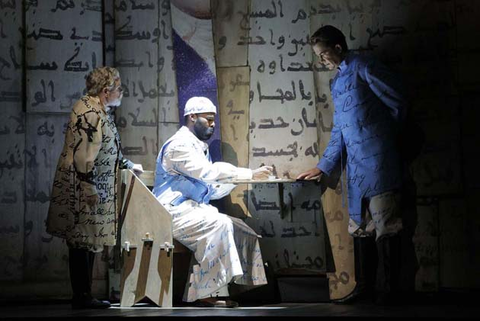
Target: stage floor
428, 306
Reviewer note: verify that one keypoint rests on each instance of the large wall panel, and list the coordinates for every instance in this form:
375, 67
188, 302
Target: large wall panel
230, 29
60, 51
45, 256
281, 88
233, 94
168, 99
137, 39
12, 143
426, 241
283, 134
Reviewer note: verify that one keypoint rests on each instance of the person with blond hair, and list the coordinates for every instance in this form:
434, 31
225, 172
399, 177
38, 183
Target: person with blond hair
84, 194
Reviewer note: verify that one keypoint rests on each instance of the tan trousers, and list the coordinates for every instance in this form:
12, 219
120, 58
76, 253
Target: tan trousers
382, 216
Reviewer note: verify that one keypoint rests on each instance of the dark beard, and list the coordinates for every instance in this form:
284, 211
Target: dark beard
203, 133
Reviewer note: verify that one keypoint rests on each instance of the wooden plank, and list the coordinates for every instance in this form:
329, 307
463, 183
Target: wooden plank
352, 18
282, 90
137, 39
168, 99
143, 270
342, 281
147, 178
60, 52
129, 280
230, 27
160, 282
233, 95
195, 68
283, 134
145, 215
143, 204
109, 30
165, 131
128, 264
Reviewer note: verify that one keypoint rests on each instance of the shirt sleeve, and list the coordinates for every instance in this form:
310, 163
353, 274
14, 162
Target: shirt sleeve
332, 155
186, 160
388, 87
88, 135
221, 190
124, 163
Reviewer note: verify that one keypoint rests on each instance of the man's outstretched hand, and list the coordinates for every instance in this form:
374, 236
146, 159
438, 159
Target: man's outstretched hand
311, 174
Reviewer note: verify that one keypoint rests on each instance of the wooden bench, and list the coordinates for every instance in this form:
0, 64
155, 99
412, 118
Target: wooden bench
146, 241
148, 178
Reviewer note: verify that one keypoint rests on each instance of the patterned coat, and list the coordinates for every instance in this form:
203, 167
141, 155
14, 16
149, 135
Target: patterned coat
88, 165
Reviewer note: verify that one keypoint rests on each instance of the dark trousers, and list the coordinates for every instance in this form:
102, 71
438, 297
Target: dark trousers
386, 267
390, 263
81, 270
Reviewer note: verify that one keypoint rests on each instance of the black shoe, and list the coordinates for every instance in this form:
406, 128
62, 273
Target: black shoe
89, 303
365, 257
359, 294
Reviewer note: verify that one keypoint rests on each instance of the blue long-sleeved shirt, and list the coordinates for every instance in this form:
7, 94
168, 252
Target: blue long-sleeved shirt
370, 106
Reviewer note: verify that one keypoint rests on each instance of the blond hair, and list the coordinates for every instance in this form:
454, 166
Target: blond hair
100, 78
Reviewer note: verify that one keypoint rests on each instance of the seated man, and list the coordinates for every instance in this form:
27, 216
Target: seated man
226, 249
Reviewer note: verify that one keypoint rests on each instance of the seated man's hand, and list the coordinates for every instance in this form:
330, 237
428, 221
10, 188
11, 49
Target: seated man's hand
137, 169
311, 174
262, 172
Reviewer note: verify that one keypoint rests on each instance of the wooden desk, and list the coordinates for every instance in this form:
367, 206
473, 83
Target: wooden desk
148, 178
281, 188
261, 181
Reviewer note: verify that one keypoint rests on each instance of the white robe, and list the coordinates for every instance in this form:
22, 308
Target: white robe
225, 248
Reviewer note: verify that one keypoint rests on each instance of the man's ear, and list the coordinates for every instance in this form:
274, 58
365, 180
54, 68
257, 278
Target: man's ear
338, 48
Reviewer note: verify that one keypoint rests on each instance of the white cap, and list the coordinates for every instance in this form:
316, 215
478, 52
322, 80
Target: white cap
199, 105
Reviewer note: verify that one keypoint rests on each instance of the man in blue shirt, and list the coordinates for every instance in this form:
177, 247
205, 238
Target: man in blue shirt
370, 112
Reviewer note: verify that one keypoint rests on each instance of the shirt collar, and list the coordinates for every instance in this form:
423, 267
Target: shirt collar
96, 100
344, 64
